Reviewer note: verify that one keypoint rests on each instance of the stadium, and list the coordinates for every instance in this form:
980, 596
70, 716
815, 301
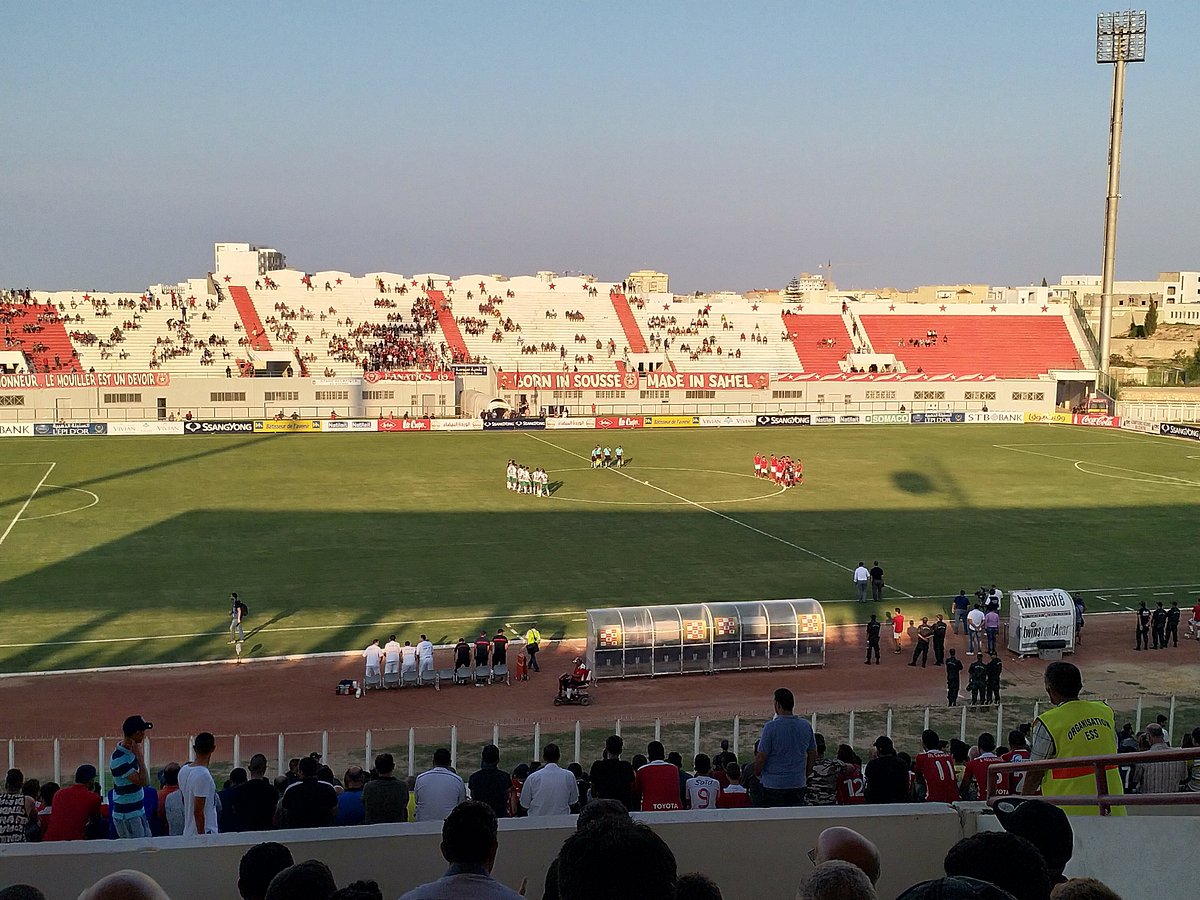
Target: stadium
414, 549
363, 428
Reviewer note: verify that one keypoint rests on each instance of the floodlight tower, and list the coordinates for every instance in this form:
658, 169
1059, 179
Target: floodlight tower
1120, 38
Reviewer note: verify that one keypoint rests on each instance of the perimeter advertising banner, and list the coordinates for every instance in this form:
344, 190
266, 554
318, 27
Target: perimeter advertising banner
567, 381
1097, 420
85, 380
1055, 418
574, 423
234, 426
127, 428
398, 375
672, 421
334, 426
1007, 418
525, 423
286, 426
1191, 432
707, 381
887, 419
456, 425
726, 421
55, 429
16, 429
395, 425
792, 419
937, 418
620, 422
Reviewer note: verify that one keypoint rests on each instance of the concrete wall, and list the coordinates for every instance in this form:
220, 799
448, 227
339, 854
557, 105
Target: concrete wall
751, 854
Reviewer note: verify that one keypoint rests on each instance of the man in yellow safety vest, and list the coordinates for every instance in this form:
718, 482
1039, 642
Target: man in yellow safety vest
1072, 728
533, 640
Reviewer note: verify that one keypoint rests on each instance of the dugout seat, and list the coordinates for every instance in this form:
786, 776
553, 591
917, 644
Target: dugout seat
500, 674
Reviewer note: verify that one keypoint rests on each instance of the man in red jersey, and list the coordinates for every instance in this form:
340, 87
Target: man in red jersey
656, 784
935, 770
733, 795
898, 628
1010, 784
976, 777
1194, 625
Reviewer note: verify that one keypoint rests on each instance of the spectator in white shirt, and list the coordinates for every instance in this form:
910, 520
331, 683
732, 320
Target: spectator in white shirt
702, 788
551, 790
438, 790
198, 790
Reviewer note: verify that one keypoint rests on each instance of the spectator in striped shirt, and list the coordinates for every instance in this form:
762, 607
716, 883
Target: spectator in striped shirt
128, 766
1159, 777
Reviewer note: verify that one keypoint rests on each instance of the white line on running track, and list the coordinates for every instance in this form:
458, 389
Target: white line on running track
714, 512
1163, 593
25, 505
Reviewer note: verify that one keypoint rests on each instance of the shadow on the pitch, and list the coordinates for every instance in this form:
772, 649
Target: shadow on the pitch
553, 486
914, 483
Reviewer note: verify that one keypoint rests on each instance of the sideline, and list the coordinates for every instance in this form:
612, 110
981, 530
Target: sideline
714, 512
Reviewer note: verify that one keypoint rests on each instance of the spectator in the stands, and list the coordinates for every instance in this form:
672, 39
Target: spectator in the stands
228, 816
646, 869
254, 802
16, 808
258, 866
127, 884
170, 813
469, 844
836, 880
612, 777
551, 790
74, 807
349, 801
1005, 860
310, 802
385, 797
309, 880
1045, 826
438, 790
593, 811
490, 784
886, 774
849, 846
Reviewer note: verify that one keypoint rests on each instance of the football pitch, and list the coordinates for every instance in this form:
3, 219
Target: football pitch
124, 550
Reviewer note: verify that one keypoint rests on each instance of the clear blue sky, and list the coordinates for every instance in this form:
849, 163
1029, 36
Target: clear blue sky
729, 144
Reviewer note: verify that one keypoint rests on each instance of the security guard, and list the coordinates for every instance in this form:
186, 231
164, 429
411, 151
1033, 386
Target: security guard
1172, 632
873, 639
939, 641
1070, 729
1143, 627
1158, 627
994, 668
977, 680
953, 668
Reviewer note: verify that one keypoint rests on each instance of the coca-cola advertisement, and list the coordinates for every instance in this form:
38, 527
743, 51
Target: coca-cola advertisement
1093, 420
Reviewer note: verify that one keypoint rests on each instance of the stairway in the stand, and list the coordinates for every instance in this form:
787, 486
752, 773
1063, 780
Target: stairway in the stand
250, 320
633, 333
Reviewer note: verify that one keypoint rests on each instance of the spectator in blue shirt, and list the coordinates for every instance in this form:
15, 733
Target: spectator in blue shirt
786, 754
962, 605
350, 809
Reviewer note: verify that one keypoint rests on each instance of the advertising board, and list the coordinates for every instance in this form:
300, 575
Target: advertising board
1097, 420
1054, 418
69, 429
887, 419
620, 422
1008, 418
672, 421
570, 423
286, 426
335, 426
521, 423
456, 425
144, 428
233, 426
16, 429
772, 421
726, 421
1170, 429
392, 425
937, 418
567, 381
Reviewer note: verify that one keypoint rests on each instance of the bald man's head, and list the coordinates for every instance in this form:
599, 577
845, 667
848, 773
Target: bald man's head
127, 884
848, 845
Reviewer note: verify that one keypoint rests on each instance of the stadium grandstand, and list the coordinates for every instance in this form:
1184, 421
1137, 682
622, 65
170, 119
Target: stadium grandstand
535, 343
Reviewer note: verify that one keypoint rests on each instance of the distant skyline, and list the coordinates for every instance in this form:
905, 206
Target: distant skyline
729, 145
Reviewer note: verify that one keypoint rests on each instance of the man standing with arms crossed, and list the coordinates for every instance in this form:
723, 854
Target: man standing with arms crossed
786, 754
128, 766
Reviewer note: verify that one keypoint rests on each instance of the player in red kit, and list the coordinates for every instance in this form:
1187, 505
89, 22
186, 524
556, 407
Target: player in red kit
1010, 784
850, 784
656, 784
935, 769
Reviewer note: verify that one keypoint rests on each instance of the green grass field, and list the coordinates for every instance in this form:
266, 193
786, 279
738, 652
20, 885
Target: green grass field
128, 551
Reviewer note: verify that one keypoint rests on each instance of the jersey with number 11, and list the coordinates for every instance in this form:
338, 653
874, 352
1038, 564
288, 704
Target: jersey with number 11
937, 769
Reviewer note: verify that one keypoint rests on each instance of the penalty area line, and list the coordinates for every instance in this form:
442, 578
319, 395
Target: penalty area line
714, 512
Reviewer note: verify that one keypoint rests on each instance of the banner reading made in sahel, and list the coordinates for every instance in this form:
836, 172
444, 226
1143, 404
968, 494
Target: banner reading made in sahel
707, 381
284, 426
672, 421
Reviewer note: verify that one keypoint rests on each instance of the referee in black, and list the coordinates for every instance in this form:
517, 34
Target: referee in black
873, 640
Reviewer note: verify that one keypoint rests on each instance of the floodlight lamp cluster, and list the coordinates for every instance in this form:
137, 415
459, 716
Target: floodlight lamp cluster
1121, 36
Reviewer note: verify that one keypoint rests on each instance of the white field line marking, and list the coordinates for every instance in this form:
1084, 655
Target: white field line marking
1077, 462
65, 512
25, 505
714, 512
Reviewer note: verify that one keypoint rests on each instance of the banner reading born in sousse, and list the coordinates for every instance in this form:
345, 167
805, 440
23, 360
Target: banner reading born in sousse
567, 381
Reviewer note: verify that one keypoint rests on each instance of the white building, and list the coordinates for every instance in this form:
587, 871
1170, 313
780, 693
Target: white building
237, 259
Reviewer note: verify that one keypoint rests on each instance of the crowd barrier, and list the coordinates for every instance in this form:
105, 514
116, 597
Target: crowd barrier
204, 427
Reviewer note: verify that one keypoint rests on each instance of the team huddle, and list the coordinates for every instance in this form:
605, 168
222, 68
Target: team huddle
524, 480
779, 469
603, 458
